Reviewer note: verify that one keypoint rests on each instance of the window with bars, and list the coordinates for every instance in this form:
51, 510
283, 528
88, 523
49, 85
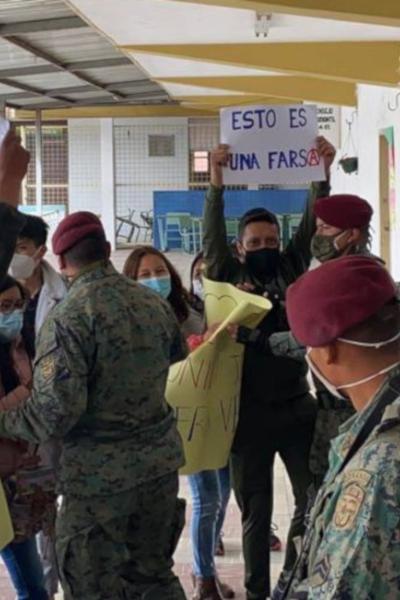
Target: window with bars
54, 163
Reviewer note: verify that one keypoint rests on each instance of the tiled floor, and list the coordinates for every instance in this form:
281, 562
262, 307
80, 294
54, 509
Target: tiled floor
230, 567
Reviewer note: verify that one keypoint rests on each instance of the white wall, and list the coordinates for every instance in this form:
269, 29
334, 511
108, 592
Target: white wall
137, 174
373, 115
84, 165
343, 183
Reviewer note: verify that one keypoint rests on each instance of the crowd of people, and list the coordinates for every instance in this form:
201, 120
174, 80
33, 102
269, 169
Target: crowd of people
89, 447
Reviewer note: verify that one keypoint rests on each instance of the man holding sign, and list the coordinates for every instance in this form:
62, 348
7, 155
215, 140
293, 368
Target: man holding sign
277, 413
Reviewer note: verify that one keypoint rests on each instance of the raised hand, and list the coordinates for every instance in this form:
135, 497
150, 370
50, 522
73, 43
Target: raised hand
14, 160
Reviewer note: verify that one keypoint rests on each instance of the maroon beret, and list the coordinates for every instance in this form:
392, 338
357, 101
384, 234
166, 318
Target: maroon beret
75, 228
344, 211
340, 294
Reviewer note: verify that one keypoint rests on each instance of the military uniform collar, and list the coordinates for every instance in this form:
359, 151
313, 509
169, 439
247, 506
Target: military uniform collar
349, 431
96, 270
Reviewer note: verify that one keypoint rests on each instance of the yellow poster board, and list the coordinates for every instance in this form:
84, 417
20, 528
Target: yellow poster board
6, 528
204, 389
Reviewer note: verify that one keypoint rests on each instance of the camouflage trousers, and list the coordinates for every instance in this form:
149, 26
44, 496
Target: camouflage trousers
120, 547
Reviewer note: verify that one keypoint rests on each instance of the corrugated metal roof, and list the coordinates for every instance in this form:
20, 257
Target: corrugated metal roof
73, 43
43, 42
112, 74
50, 81
14, 11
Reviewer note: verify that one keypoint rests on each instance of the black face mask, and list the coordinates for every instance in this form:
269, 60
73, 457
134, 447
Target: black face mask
263, 263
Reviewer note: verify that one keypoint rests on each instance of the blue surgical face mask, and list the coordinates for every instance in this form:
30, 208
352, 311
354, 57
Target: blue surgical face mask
10, 325
160, 285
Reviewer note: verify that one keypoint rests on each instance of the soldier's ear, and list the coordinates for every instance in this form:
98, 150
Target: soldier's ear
62, 265
108, 249
326, 354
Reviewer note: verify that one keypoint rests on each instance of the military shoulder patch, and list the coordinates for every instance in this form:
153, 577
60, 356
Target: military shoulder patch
351, 499
47, 367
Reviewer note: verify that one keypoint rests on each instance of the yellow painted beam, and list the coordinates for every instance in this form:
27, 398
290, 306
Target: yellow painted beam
376, 63
284, 88
229, 100
99, 112
385, 12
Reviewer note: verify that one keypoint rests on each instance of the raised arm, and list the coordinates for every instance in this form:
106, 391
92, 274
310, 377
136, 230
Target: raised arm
298, 250
14, 161
217, 252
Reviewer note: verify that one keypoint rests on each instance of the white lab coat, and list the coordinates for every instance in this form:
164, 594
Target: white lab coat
52, 292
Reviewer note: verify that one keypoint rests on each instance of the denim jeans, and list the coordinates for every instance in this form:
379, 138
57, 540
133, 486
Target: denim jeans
210, 496
24, 567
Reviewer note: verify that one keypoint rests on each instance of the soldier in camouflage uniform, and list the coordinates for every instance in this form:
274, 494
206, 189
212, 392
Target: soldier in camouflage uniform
99, 386
343, 223
351, 549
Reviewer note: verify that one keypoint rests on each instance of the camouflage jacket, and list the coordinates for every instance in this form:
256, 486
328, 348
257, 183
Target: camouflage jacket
352, 546
11, 222
99, 386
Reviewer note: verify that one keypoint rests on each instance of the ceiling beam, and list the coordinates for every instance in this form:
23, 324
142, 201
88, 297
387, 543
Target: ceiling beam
115, 111
220, 101
16, 41
290, 88
75, 66
143, 85
375, 63
386, 12
33, 91
156, 95
43, 25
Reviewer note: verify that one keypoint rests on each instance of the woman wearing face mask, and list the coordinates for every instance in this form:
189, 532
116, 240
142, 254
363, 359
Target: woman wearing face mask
29, 484
210, 491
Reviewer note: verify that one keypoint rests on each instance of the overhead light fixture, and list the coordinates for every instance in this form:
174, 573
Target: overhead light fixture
262, 24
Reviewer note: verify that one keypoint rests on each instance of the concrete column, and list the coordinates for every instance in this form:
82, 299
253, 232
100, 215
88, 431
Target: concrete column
108, 199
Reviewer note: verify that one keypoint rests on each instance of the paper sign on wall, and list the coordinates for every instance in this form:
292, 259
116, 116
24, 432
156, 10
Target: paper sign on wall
271, 144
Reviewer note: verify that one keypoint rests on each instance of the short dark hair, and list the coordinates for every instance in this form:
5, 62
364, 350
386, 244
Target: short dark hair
91, 249
257, 215
35, 229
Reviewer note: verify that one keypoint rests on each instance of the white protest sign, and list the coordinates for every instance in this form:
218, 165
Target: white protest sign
271, 144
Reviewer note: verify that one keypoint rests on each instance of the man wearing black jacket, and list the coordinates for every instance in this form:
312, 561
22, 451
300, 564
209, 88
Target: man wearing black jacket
277, 413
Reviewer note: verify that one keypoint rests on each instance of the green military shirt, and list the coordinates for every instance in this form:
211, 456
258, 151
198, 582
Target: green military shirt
11, 223
99, 385
353, 538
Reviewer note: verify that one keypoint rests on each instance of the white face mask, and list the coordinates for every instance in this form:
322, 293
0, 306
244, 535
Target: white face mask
22, 266
332, 389
198, 289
